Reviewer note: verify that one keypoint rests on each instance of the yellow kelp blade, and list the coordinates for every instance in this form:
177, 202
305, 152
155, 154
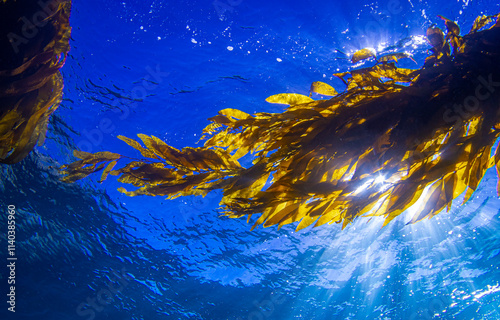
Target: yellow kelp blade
289, 98
395, 57
435, 36
480, 23
234, 113
363, 54
323, 89
107, 170
136, 145
89, 163
451, 26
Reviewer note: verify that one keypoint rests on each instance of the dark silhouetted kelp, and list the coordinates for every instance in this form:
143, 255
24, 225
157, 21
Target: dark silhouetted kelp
34, 41
392, 137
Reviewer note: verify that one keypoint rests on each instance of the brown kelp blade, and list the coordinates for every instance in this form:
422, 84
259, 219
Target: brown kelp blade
395, 137
30, 82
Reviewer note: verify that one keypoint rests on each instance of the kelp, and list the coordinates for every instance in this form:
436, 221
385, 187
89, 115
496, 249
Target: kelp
393, 137
34, 41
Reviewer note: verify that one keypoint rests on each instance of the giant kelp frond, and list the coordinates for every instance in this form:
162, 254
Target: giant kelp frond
394, 136
167, 172
30, 82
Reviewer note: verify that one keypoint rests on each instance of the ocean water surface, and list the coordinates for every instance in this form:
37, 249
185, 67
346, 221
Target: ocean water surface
86, 251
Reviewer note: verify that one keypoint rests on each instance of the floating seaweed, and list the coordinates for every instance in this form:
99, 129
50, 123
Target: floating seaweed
394, 136
34, 41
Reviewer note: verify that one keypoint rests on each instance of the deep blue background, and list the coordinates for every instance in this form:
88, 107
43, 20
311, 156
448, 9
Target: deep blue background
182, 260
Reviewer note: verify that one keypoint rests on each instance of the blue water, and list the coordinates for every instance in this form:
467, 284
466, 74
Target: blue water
161, 68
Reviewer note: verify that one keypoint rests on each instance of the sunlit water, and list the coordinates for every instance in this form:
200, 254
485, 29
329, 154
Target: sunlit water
86, 251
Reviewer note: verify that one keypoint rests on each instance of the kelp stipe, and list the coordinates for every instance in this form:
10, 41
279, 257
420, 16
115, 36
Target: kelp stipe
392, 137
34, 41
